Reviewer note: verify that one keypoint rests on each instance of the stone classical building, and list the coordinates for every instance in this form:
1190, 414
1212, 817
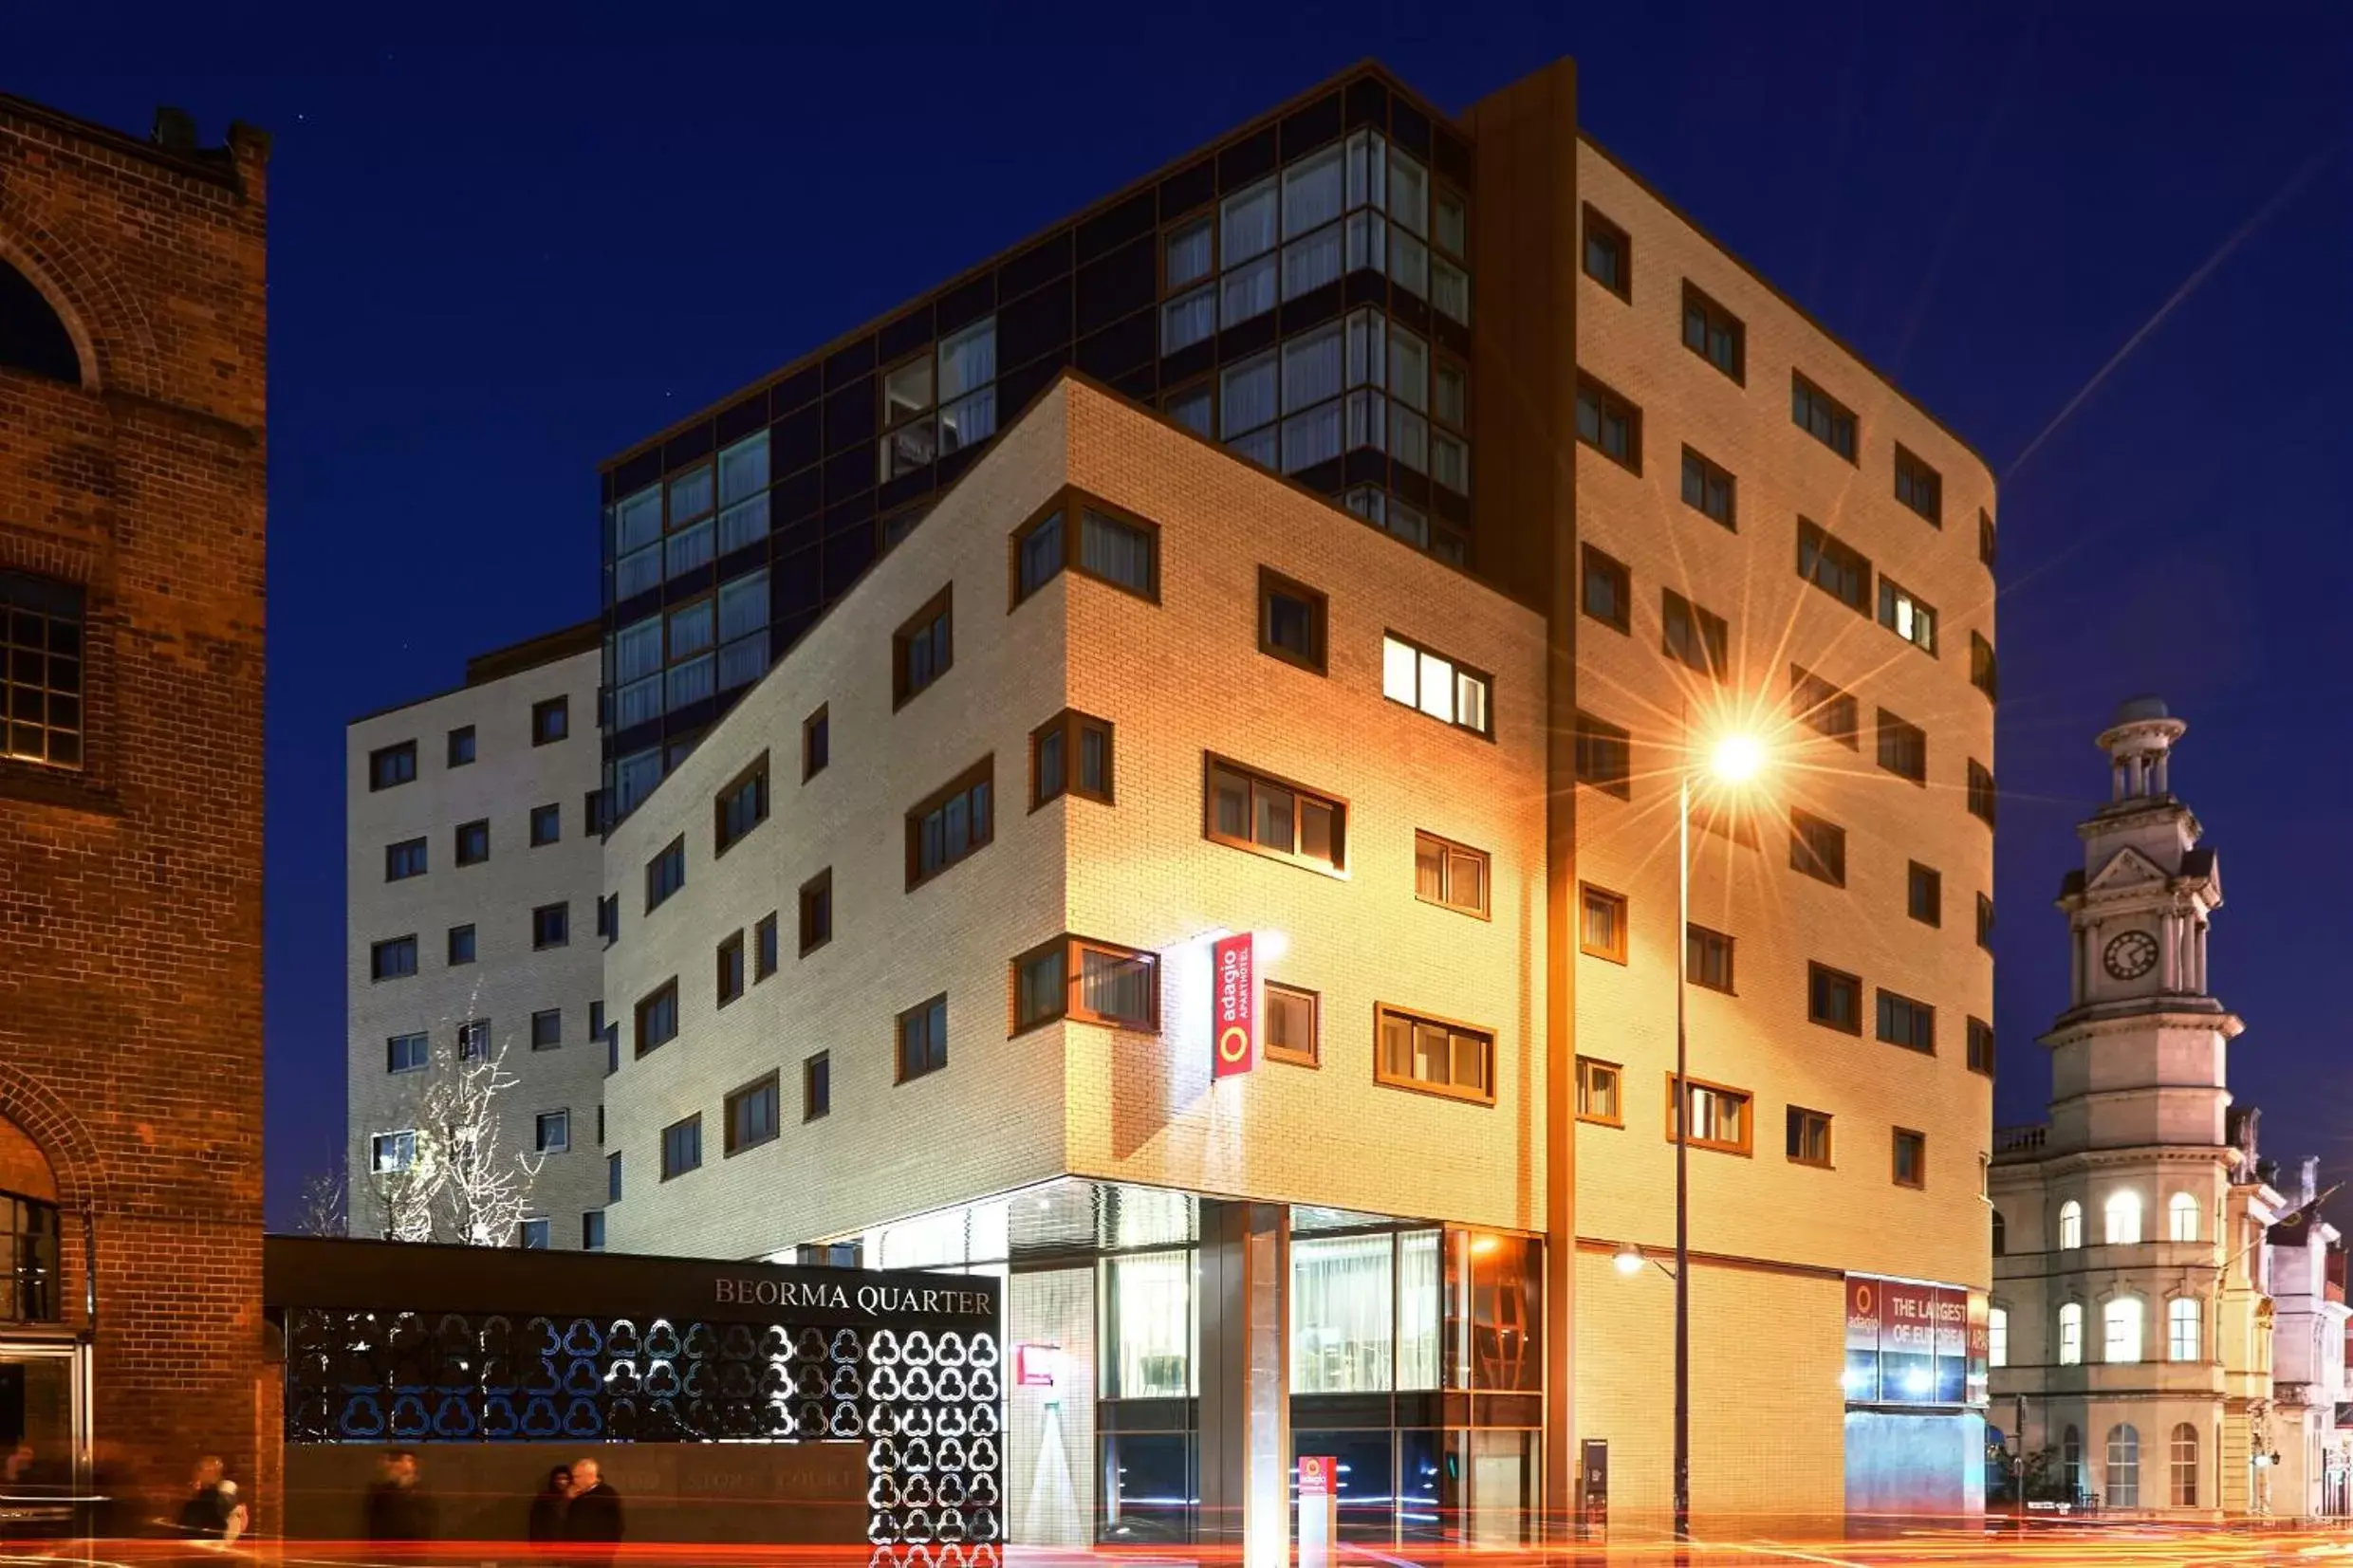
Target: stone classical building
2312, 1447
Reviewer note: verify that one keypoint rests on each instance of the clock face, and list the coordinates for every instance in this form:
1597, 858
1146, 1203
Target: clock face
2131, 955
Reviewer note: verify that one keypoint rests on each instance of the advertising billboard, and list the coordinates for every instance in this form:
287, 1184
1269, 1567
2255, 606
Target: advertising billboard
1909, 1343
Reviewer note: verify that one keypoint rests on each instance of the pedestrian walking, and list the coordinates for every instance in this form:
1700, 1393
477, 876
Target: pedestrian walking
398, 1507
592, 1521
213, 1511
548, 1508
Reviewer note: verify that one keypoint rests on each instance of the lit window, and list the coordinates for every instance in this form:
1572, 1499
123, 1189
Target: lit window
2072, 1334
1598, 1093
1809, 1137
1424, 1053
1602, 924
2181, 1217
2122, 1216
2121, 1321
1254, 811
1294, 1019
1088, 983
2070, 1225
392, 1152
1447, 692
2185, 1337
2184, 1466
1908, 615
1998, 1336
1450, 875
1719, 1116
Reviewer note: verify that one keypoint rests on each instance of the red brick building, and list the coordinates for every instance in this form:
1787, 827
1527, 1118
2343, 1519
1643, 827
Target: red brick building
132, 485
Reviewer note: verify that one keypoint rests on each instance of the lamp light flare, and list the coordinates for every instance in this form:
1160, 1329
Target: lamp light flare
1629, 1260
1737, 759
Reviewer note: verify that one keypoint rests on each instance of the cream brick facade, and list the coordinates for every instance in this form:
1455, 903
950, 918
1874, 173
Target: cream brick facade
509, 981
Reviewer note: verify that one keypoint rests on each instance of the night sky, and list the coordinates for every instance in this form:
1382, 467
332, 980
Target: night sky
2109, 245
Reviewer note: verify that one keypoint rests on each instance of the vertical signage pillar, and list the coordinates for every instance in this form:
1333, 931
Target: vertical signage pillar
1245, 1380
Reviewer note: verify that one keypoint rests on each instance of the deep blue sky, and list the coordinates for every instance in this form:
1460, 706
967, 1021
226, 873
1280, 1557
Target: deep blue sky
507, 240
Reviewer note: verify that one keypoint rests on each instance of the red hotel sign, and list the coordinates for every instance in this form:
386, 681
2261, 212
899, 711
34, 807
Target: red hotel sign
1234, 1005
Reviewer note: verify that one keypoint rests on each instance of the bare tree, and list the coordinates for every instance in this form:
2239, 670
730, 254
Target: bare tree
480, 1191
404, 1192
322, 1210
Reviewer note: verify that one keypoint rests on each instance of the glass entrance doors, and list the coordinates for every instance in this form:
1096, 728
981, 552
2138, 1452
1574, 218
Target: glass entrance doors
45, 1426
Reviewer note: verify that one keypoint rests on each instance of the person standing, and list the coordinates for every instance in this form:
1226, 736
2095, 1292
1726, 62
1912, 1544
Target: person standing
213, 1512
593, 1519
397, 1509
548, 1508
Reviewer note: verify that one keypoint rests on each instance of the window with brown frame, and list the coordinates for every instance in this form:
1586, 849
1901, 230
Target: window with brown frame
1834, 566
1906, 1023
1077, 533
921, 1032
1822, 707
817, 911
817, 1086
1715, 334
1708, 959
1085, 982
923, 648
1601, 1092
1294, 1024
1816, 847
816, 743
1604, 756
1909, 1158
1071, 754
1601, 923
1273, 817
1919, 487
740, 807
1985, 922
1291, 618
951, 822
730, 966
1710, 491
1903, 747
1923, 895
1981, 1046
1607, 593
1609, 423
1984, 673
1608, 255
1833, 999
1986, 542
665, 874
752, 1117
1450, 875
1981, 792
1721, 1116
1693, 636
1809, 1137
1419, 1052
658, 1016
763, 948
1822, 416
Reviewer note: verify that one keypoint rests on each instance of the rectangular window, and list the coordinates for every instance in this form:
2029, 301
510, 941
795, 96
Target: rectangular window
741, 806
1816, 847
1273, 817
1604, 756
533, 1235
1599, 1091
612, 1177
763, 948
923, 648
1087, 981
1838, 569
730, 958
1607, 591
1450, 875
1071, 754
1708, 959
665, 874
1708, 489
551, 926
461, 747
393, 959
392, 1152
1079, 534
547, 825
1290, 620
387, 765
1820, 705
1985, 538
923, 1039
1919, 487
1911, 1158
952, 823
1985, 922
658, 1017
1609, 424
1906, 1023
1719, 1116
1908, 615
1822, 416
1609, 254
1447, 691
1833, 999
551, 1132
753, 1115
816, 743
407, 1053
1809, 1136
608, 918
1417, 1052
1601, 923
551, 720
596, 1032
1715, 334
1983, 672
682, 1146
404, 859
1981, 1046
1924, 894
474, 1040
548, 1028
1694, 638
1294, 1019
474, 842
817, 1086
1903, 747
592, 1230
1980, 792
817, 911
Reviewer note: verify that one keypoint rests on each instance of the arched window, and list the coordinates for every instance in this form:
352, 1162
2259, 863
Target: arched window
2001, 1234
2185, 1337
2072, 1334
2070, 1225
2124, 1217
2120, 1318
31, 337
2123, 1482
2181, 1217
1998, 1336
2072, 1462
2185, 1465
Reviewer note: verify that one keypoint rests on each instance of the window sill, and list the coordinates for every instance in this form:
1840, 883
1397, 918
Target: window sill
1619, 1122
1438, 1090
1456, 909
748, 1148
1320, 868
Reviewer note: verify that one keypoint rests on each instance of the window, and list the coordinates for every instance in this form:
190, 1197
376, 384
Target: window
408, 1053
393, 959
1833, 999
1919, 487
1086, 536
1980, 792
1822, 707
1609, 424
1911, 1158
548, 1029
551, 926
2071, 1334
1983, 672
1906, 1023
658, 1017
2070, 1225
1822, 416
1256, 811
817, 911
404, 859
729, 963
1601, 1092
461, 747
816, 743
1924, 894
596, 1031
1604, 756
552, 1132
1087, 981
1838, 569
741, 806
1715, 334
1985, 538
2185, 1337
547, 825
1070, 753
1903, 747
592, 1230
1707, 490
612, 1177
1908, 615
389, 1152
1809, 1136
2001, 1233
1998, 1336
1609, 255
1450, 874
1719, 1116
1694, 637
682, 1146
763, 948
474, 842
817, 1086
951, 823
2120, 1322
474, 1040
2181, 1217
551, 720
2071, 1453
1294, 1024
923, 1039
387, 765
923, 648
1427, 1053
1608, 594
1450, 693
1981, 1046
41, 673
753, 1115
665, 874
1290, 620
608, 918
1708, 959
2122, 1219
1818, 847
1601, 923
2183, 1463
1985, 922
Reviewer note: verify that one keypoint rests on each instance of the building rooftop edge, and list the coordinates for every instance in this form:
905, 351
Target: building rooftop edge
215, 165
514, 659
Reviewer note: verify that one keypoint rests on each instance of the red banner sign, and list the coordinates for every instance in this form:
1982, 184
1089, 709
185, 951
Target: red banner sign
1913, 1344
1234, 1005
